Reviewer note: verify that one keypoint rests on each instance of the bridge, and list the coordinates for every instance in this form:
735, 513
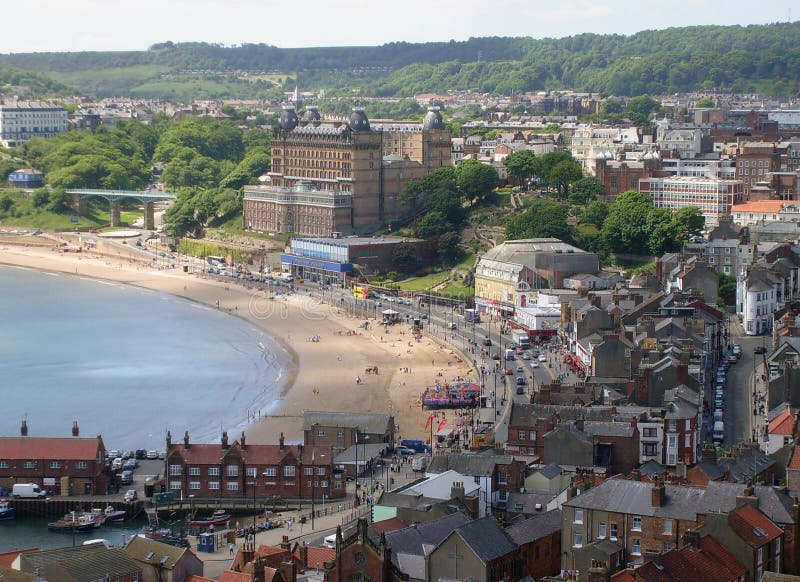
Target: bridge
114, 197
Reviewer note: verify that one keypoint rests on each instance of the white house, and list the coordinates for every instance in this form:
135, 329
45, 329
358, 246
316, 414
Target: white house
756, 301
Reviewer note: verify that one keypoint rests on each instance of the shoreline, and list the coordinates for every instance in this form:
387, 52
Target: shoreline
322, 374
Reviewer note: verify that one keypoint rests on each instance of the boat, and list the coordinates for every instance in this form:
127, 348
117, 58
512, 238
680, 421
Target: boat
73, 522
6, 511
219, 517
114, 515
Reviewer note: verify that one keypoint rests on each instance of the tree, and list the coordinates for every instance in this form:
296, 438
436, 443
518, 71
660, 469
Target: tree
595, 212
727, 289
449, 248
625, 229
432, 224
521, 165
611, 107
6, 203
403, 258
58, 200
689, 220
563, 174
586, 190
542, 219
705, 103
475, 180
641, 108
40, 197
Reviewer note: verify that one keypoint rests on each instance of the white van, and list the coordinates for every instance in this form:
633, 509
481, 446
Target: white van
719, 432
419, 463
27, 491
718, 415
330, 541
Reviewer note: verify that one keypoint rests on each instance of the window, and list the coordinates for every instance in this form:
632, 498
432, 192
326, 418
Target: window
340, 433
521, 435
672, 425
650, 449
174, 484
323, 484
687, 440
666, 546
232, 485
668, 526
194, 471
233, 470
174, 469
288, 471
532, 436
194, 485
320, 433
213, 485
3, 464
308, 471
649, 431
637, 547
320, 470
30, 464
270, 472
213, 471
613, 534
251, 472
577, 539
80, 465
55, 465
578, 515
601, 530
687, 424
760, 556
637, 523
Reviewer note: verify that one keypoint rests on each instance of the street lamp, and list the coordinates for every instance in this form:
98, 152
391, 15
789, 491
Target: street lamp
255, 510
313, 487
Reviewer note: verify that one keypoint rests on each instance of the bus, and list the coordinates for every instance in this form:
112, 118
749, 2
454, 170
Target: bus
472, 315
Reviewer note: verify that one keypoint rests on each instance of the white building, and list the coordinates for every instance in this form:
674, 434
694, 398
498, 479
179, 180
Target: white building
24, 120
687, 142
699, 167
590, 141
714, 197
760, 211
756, 301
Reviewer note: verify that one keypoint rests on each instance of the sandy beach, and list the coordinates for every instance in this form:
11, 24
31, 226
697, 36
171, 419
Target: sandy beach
326, 370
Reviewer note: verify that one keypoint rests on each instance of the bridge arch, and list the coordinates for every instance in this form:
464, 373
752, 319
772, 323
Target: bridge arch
115, 197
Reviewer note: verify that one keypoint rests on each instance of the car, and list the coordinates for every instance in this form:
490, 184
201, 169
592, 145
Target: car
511, 346
732, 359
526, 356
140, 454
130, 495
534, 363
520, 389
736, 348
113, 453
760, 350
424, 316
509, 372
152, 455
543, 358
520, 370
519, 351
162, 455
496, 356
521, 381
404, 451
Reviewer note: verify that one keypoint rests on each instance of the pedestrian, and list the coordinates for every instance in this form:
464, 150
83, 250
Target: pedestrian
230, 549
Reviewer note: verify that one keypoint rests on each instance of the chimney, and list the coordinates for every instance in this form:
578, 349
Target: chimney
23, 429
186, 444
285, 543
258, 570
579, 423
280, 442
457, 490
680, 470
748, 497
75, 430
544, 395
709, 454
598, 572
242, 441
683, 373
224, 439
691, 537
304, 556
658, 493
248, 551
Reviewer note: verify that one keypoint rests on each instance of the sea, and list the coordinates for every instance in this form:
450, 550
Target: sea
127, 363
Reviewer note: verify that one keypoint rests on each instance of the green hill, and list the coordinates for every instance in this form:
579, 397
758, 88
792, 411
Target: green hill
29, 84
744, 58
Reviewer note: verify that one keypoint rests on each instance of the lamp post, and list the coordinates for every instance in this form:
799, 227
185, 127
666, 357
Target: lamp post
313, 488
255, 511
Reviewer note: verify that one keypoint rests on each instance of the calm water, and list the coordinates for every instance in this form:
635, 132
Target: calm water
32, 532
127, 363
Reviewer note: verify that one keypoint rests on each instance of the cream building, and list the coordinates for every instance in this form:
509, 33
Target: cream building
24, 120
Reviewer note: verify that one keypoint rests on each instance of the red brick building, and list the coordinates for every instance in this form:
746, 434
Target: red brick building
243, 470
754, 160
66, 466
619, 176
539, 541
341, 430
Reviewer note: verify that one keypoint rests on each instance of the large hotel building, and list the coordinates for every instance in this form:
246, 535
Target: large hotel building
24, 120
342, 176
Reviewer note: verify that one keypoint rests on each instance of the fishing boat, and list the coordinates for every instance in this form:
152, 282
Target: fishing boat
6, 511
219, 517
73, 522
114, 515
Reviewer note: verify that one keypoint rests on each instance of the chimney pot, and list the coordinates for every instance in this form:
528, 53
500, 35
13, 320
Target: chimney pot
23, 429
75, 430
224, 439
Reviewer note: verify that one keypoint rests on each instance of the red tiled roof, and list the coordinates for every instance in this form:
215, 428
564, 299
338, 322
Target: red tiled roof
214, 454
7, 558
231, 576
794, 462
63, 449
783, 424
264, 551
760, 206
316, 556
623, 576
752, 526
195, 578
387, 525
713, 548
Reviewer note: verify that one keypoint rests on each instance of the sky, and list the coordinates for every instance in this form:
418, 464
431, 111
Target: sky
112, 25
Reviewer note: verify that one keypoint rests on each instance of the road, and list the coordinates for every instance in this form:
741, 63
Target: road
738, 388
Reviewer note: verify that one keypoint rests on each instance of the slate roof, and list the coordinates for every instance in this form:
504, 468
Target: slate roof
31, 562
487, 539
527, 414
410, 541
747, 464
102, 565
138, 549
360, 452
365, 422
634, 497
468, 463
63, 449
528, 501
550, 471
535, 528
711, 470
608, 429
652, 468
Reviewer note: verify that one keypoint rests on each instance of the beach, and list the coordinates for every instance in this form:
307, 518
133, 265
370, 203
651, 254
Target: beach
329, 374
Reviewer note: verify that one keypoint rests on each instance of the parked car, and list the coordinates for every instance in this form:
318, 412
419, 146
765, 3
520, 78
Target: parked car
526, 356
141, 454
534, 364
152, 454
520, 370
760, 350
131, 495
543, 358
404, 451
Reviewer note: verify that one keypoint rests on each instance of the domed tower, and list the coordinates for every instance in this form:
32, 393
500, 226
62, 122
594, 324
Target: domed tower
358, 120
433, 119
288, 119
311, 114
